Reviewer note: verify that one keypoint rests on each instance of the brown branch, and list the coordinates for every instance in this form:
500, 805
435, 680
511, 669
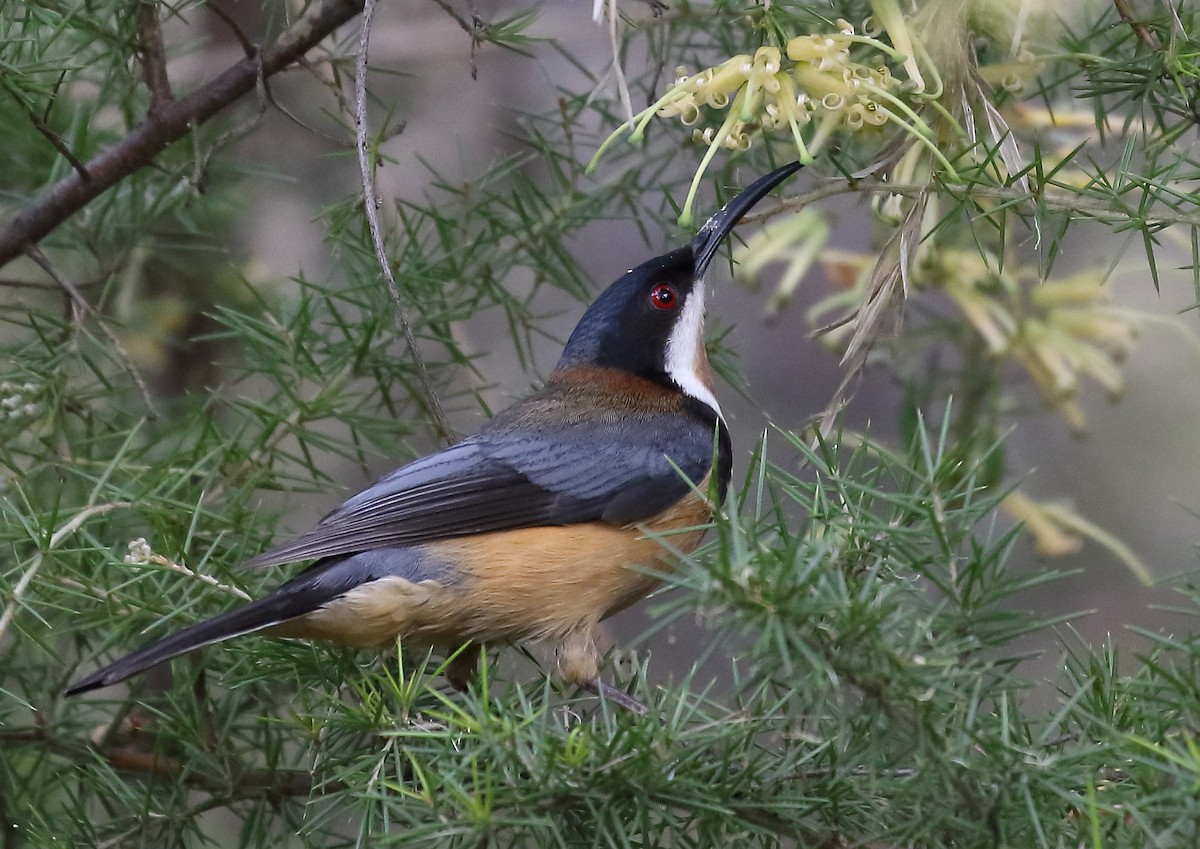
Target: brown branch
202, 157
58, 144
472, 27
242, 784
173, 121
1150, 39
238, 784
83, 308
6, 283
39, 124
152, 55
1144, 34
248, 47
1045, 197
251, 51
371, 205
458, 19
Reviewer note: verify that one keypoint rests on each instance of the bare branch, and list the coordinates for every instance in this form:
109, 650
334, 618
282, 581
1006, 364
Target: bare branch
239, 783
248, 47
173, 121
251, 51
140, 554
371, 203
1144, 34
152, 55
202, 157
6, 283
1015, 197
83, 307
458, 19
470, 27
1151, 40
58, 144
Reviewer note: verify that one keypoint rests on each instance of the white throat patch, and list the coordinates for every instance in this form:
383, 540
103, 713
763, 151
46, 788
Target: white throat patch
685, 350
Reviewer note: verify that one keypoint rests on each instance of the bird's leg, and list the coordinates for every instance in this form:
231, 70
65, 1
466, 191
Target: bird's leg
579, 663
461, 667
615, 695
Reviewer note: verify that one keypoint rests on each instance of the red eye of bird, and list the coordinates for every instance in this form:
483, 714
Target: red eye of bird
664, 297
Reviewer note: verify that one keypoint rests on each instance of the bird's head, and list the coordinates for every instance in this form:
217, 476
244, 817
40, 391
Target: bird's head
650, 322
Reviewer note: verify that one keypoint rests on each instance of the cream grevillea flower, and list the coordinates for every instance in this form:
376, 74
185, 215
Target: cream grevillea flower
812, 87
1061, 331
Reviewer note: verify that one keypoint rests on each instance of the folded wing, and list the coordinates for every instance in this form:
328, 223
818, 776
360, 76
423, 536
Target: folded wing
617, 472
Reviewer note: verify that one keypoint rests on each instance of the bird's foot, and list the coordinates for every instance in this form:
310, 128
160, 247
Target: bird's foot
618, 697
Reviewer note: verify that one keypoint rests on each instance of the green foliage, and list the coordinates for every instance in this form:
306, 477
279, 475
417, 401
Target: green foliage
860, 593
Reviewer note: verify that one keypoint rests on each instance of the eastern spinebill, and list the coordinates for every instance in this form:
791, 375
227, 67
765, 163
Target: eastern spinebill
544, 522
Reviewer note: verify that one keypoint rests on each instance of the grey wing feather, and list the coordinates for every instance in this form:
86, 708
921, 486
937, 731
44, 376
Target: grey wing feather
514, 479
631, 472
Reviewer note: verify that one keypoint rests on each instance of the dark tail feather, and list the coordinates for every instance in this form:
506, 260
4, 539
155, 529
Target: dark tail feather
316, 586
255, 616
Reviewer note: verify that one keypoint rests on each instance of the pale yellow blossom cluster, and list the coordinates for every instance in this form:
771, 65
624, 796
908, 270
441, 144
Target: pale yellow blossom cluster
1015, 74
140, 553
1057, 530
796, 240
1061, 331
821, 85
813, 86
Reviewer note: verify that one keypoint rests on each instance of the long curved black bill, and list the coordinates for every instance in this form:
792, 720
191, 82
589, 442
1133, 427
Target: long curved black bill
708, 239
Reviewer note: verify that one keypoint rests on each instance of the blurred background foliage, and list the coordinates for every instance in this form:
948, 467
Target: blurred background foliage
882, 644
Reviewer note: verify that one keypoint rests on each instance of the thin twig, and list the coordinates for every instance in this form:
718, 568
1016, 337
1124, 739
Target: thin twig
238, 783
371, 205
459, 19
55, 204
45, 287
614, 42
64, 531
331, 80
1057, 201
98, 593
40, 123
58, 144
142, 558
337, 141
1149, 38
470, 27
202, 157
248, 47
251, 51
85, 308
1144, 34
152, 56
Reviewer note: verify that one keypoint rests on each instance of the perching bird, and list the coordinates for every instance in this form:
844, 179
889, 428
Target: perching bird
544, 522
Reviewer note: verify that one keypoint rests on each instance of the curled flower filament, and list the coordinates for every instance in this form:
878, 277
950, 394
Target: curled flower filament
810, 88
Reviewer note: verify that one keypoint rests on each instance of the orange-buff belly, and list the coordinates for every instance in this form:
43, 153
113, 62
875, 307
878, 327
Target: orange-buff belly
528, 583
